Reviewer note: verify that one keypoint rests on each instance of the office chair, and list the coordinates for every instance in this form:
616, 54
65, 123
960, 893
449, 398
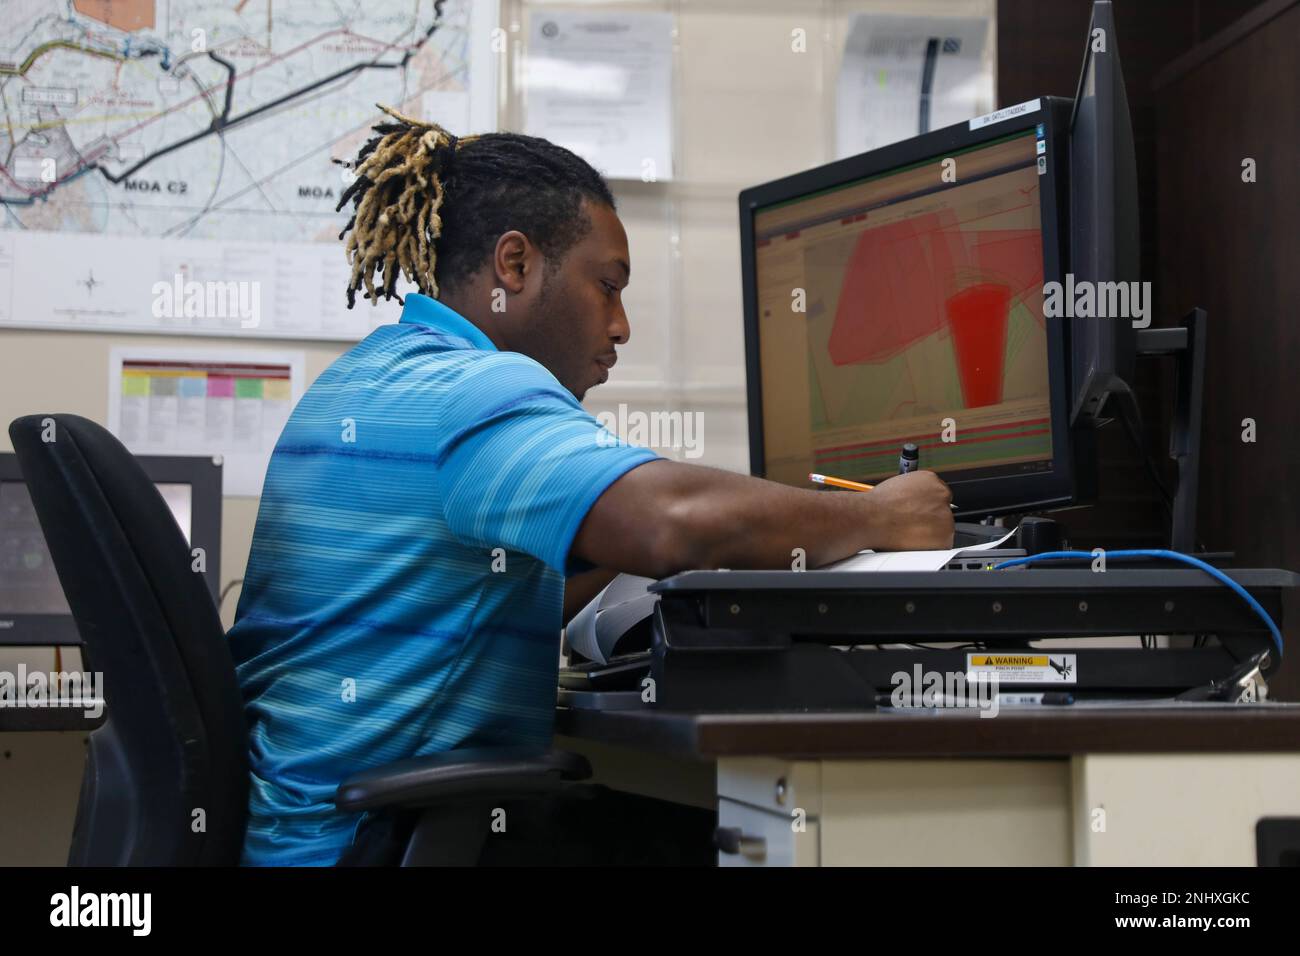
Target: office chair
166, 779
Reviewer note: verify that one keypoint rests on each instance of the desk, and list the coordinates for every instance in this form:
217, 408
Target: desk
84, 715
20, 662
1176, 786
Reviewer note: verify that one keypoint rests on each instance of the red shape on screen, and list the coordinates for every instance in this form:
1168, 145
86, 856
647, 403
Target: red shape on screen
908, 280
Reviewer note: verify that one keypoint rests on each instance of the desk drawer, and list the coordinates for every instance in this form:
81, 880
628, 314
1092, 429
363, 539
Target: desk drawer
772, 784
766, 839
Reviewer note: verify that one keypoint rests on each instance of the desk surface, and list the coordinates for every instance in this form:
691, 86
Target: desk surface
68, 717
1019, 732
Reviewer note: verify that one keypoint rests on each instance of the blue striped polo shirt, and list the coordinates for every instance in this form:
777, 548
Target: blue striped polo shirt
405, 585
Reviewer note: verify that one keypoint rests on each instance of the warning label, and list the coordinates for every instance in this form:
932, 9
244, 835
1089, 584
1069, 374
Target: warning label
1023, 668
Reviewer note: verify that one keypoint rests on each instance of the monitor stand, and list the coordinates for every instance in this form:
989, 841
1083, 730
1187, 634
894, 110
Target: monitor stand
967, 534
1186, 345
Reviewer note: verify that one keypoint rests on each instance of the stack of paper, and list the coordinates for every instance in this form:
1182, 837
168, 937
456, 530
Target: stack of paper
908, 560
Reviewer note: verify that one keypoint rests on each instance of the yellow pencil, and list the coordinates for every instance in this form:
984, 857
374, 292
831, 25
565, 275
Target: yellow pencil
839, 482
845, 483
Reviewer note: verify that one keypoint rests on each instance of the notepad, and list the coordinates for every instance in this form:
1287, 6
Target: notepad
908, 560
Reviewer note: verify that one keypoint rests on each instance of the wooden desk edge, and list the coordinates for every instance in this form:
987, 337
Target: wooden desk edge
1021, 733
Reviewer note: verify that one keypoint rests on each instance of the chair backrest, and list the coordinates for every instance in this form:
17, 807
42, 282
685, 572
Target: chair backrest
166, 780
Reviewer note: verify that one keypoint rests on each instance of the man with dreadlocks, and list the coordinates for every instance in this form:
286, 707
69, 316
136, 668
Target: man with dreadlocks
439, 502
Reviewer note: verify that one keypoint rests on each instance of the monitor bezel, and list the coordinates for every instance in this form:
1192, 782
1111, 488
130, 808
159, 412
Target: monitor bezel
1104, 221
203, 475
990, 495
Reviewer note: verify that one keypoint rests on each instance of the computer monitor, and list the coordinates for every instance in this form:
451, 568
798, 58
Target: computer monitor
897, 297
1104, 245
33, 609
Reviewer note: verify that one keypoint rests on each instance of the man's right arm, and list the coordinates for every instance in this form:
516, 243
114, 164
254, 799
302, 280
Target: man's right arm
663, 517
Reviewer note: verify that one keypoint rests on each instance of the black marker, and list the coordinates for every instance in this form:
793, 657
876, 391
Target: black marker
910, 460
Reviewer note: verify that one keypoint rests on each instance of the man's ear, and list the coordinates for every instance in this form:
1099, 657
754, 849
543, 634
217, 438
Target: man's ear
510, 260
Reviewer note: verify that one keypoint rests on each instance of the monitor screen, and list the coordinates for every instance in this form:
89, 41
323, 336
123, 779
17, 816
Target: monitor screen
28, 582
908, 307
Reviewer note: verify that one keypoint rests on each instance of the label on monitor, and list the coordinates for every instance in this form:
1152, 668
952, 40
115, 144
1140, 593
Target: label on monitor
1024, 668
1006, 113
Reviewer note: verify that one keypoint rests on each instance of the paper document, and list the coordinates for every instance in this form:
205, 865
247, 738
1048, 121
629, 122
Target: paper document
908, 560
906, 75
595, 630
601, 84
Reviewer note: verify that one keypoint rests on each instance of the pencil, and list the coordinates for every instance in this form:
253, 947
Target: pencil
839, 482
845, 483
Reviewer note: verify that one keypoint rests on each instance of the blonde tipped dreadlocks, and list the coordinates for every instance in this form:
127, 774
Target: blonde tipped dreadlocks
431, 207
396, 196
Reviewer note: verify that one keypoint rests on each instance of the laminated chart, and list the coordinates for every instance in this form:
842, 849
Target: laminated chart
190, 403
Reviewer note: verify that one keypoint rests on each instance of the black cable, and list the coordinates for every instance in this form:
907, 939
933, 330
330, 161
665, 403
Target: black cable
1131, 417
221, 600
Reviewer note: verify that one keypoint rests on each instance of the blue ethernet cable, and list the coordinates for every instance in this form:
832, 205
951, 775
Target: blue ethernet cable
1168, 555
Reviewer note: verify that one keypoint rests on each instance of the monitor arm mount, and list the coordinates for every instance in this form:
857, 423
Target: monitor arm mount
1185, 344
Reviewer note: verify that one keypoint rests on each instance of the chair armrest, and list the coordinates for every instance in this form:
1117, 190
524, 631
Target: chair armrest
473, 772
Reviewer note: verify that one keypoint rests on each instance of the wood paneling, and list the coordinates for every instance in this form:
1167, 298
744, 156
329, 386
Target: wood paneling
1234, 248
1209, 82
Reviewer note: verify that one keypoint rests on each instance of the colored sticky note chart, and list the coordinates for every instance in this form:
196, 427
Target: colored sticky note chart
232, 403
